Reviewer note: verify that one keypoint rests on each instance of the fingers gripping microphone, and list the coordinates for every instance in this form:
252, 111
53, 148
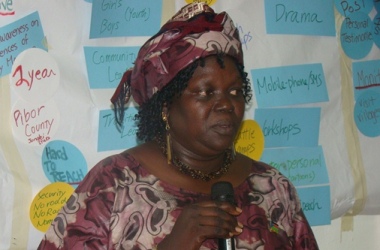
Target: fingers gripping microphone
223, 191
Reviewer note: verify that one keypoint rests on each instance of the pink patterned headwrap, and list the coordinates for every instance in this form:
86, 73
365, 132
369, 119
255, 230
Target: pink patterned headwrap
195, 31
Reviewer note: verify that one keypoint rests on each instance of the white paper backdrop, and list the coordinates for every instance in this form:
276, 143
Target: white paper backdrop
66, 25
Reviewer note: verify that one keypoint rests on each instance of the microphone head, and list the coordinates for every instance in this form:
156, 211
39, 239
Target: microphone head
223, 191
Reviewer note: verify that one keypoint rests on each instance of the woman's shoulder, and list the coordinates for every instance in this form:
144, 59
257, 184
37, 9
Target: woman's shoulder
109, 170
114, 163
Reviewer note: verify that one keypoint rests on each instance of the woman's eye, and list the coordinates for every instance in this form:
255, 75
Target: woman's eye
236, 91
204, 93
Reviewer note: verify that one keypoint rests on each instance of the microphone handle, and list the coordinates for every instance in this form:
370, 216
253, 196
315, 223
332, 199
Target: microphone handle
226, 244
223, 191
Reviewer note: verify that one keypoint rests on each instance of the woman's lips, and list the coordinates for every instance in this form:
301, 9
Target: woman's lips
224, 128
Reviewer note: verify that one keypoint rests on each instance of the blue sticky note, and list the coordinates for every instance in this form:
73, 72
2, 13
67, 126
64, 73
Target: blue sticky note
125, 18
376, 29
300, 17
63, 162
289, 85
315, 202
347, 7
110, 137
365, 76
356, 36
289, 127
302, 166
367, 113
106, 65
23, 34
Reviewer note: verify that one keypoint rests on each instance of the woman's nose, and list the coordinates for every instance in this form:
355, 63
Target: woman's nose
223, 103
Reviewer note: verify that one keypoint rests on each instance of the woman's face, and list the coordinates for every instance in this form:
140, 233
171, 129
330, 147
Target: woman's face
207, 116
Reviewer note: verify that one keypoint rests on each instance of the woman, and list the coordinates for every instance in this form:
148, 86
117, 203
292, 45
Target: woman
192, 90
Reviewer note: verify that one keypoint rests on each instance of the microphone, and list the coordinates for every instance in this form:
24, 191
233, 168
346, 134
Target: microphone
223, 191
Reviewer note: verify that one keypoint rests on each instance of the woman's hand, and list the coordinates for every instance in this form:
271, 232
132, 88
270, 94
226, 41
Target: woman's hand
201, 221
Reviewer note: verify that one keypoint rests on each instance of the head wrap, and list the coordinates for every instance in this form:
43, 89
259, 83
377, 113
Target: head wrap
193, 32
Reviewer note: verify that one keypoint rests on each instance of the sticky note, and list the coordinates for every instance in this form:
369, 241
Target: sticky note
367, 113
112, 138
250, 140
315, 203
16, 37
47, 203
289, 127
125, 18
301, 165
356, 36
365, 76
106, 65
62, 161
301, 17
289, 85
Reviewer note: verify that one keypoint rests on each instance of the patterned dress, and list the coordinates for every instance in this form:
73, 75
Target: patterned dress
120, 205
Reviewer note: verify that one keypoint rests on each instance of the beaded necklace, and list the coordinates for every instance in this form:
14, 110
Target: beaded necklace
198, 174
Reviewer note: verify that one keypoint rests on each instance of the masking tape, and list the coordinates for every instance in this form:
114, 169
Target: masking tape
22, 186
352, 137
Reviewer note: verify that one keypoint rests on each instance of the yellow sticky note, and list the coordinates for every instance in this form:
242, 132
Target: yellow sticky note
47, 203
250, 140
208, 2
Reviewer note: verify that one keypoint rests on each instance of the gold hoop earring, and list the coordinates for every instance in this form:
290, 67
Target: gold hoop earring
168, 139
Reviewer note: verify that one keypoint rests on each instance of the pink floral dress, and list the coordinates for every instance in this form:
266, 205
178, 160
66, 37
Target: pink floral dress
119, 205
